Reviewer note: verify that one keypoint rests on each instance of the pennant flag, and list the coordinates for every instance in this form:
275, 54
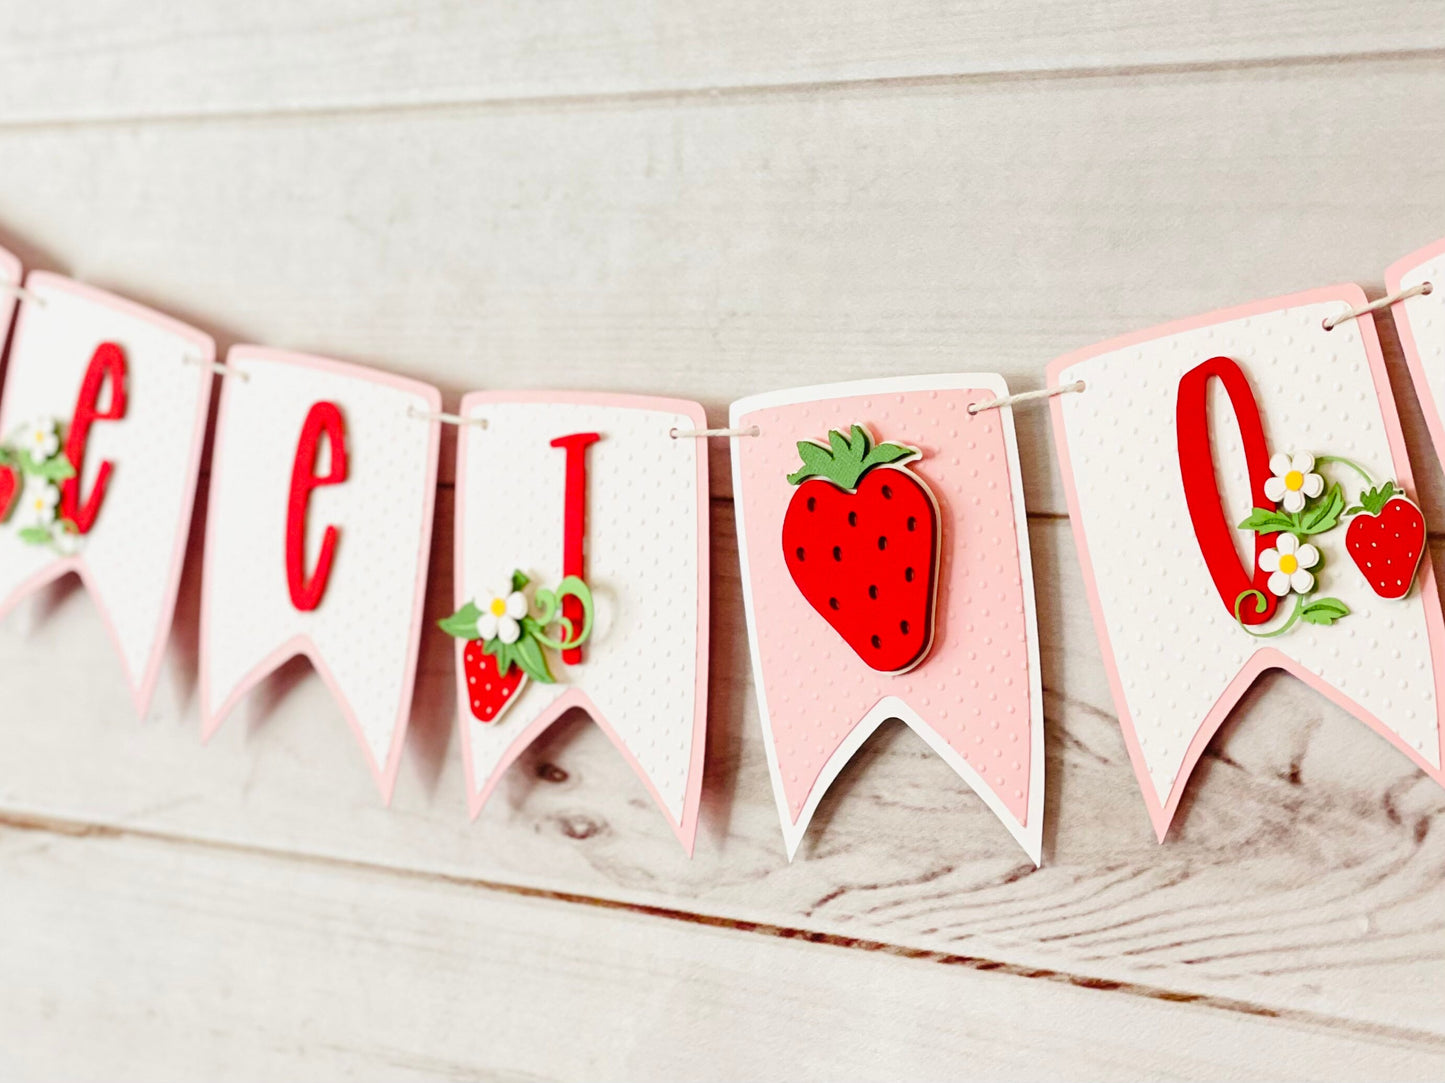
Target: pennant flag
1242, 501
886, 574
318, 530
101, 429
582, 581
1420, 320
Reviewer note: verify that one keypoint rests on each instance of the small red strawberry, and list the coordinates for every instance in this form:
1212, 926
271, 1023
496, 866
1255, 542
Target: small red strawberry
489, 693
9, 490
1386, 540
861, 541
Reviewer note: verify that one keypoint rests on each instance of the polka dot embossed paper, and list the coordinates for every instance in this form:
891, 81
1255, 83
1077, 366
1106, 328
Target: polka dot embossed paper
111, 401
1242, 500
582, 581
322, 472
837, 652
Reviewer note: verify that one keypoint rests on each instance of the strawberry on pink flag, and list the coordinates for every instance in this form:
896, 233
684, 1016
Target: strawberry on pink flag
102, 423
1242, 501
318, 534
886, 574
582, 581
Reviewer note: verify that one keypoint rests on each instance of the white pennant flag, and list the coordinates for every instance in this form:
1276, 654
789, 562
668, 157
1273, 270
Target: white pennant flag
581, 519
318, 531
102, 420
1242, 501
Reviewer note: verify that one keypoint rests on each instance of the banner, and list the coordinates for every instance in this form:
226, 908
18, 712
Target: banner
318, 532
886, 574
103, 420
582, 581
1241, 498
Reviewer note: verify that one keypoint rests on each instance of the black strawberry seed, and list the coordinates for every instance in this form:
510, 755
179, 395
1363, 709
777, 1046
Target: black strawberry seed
837, 552
912, 524
812, 503
887, 493
873, 592
903, 626
882, 542
852, 518
832, 603
908, 575
798, 552
877, 643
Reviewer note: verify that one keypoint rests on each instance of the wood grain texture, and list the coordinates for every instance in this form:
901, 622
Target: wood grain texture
483, 197
75, 60
163, 961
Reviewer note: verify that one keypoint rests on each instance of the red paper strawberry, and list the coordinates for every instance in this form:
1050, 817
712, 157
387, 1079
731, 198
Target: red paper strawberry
9, 490
505, 641
488, 692
1386, 540
861, 540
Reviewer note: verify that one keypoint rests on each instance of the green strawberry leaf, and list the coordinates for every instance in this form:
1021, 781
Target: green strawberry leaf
1374, 500
519, 581
1324, 611
1323, 514
462, 623
1269, 521
845, 459
532, 660
35, 535
841, 445
888, 453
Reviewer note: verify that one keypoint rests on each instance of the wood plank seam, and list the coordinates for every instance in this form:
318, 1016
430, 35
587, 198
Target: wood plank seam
1401, 1036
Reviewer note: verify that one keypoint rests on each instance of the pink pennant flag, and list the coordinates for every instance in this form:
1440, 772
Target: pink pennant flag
318, 532
886, 574
582, 581
101, 429
1242, 501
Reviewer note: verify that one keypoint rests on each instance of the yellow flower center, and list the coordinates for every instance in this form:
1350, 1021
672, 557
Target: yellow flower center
1288, 563
1294, 481
499, 607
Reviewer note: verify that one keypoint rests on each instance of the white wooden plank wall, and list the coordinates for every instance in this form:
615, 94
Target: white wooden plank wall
706, 200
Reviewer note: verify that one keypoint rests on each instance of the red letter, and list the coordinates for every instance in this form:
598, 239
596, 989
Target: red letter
574, 524
108, 362
1201, 491
324, 419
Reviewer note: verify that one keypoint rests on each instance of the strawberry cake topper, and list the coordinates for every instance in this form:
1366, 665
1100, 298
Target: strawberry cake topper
505, 641
32, 468
861, 541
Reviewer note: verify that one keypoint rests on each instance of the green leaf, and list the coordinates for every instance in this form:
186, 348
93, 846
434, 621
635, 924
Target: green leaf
35, 535
884, 454
462, 623
519, 581
532, 660
1373, 501
54, 469
841, 445
845, 459
1323, 514
1269, 521
1324, 611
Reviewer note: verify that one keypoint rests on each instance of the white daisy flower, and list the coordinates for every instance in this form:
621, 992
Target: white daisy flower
1288, 564
1294, 481
38, 502
501, 617
41, 438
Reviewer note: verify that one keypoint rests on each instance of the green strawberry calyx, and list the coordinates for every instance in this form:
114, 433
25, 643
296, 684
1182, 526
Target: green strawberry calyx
525, 651
1373, 501
844, 460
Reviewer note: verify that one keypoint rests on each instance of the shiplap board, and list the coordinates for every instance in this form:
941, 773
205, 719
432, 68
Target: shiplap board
1301, 875
713, 249
130, 958
72, 60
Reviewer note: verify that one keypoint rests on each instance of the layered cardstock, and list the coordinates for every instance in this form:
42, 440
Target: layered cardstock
103, 418
886, 574
318, 532
1420, 321
581, 519
1242, 500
